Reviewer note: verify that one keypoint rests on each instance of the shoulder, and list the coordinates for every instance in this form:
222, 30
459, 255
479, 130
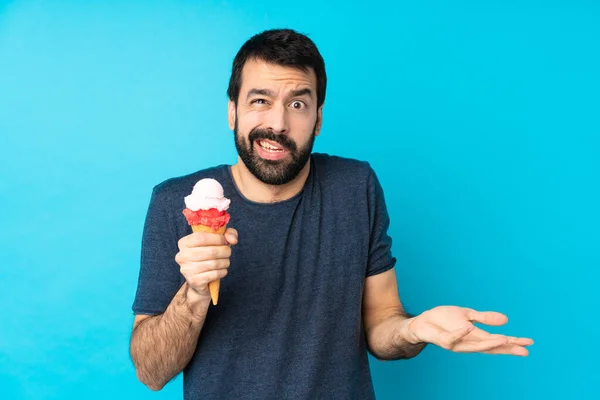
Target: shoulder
338, 167
176, 188
349, 172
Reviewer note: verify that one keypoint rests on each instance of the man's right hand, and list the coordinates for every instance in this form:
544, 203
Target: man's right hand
204, 257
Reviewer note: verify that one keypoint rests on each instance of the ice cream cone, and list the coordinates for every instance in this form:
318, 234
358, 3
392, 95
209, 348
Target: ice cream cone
213, 286
206, 211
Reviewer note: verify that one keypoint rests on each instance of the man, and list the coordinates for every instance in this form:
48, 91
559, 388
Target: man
310, 287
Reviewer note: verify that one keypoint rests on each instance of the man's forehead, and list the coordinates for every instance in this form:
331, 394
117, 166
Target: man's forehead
259, 73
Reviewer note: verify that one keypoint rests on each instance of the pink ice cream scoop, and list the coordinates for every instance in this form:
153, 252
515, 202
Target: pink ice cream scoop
206, 194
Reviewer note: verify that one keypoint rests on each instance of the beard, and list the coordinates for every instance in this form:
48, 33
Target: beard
273, 172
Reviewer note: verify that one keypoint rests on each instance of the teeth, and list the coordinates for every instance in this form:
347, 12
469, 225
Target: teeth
268, 147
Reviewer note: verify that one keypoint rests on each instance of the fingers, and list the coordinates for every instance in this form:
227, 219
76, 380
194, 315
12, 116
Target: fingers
199, 274
451, 338
199, 239
203, 246
194, 268
470, 339
480, 334
487, 317
478, 346
231, 236
510, 349
204, 257
516, 340
199, 282
481, 341
520, 341
454, 341
206, 253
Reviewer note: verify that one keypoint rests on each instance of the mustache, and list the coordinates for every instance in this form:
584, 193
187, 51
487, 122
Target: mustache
283, 140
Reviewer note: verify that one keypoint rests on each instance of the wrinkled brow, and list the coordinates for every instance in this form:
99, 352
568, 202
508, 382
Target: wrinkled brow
270, 93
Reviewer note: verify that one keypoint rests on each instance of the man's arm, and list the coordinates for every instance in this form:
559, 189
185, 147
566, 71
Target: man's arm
393, 334
385, 321
162, 345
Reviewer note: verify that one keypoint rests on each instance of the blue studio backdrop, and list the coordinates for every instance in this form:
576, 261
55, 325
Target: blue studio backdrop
480, 118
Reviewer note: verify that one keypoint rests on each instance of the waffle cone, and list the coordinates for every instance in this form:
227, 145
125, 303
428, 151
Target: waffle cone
213, 286
204, 228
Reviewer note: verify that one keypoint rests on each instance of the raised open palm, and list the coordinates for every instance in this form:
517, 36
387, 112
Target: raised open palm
452, 328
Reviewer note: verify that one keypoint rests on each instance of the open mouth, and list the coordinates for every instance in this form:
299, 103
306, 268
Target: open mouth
269, 146
270, 150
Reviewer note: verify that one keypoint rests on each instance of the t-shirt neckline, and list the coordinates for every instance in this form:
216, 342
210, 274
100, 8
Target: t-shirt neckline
282, 202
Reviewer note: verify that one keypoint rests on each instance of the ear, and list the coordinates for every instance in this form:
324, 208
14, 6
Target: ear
319, 120
231, 114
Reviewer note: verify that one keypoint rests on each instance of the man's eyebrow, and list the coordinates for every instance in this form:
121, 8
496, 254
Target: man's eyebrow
302, 92
261, 92
270, 93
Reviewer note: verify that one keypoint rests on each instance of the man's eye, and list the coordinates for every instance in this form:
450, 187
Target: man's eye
298, 105
258, 101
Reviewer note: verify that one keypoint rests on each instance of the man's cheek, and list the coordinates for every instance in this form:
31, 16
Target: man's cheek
251, 121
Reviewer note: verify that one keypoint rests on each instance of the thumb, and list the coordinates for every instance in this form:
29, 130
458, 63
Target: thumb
231, 235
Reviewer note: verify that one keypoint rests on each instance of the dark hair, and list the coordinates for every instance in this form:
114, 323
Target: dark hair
284, 47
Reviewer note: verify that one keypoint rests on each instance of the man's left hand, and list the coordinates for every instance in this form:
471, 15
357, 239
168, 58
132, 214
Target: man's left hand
452, 328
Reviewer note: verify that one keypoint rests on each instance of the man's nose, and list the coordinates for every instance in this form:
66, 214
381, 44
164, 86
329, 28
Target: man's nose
277, 120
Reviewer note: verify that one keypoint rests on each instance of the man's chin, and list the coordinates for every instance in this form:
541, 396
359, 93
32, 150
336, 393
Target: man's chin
272, 172
271, 163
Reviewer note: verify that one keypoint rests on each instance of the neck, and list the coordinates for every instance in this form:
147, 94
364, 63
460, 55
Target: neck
260, 192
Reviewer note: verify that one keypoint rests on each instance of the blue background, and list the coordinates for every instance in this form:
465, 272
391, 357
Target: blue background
482, 121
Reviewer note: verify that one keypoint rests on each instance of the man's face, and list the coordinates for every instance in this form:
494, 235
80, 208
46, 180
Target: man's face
276, 120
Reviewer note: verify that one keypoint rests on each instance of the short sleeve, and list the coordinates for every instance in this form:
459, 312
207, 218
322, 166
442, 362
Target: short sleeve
380, 243
159, 277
